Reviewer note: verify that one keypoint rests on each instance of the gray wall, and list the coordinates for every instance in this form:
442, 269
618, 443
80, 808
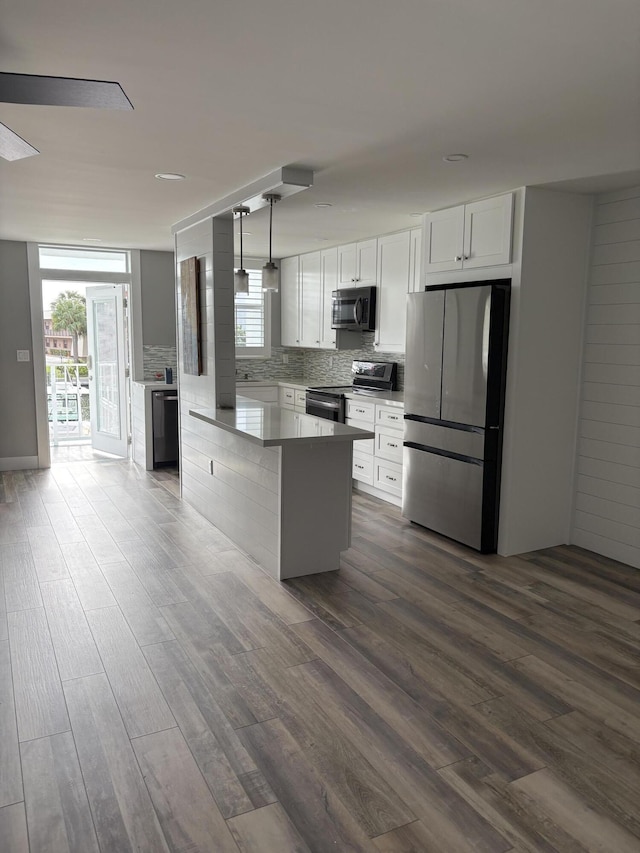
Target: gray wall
158, 285
17, 394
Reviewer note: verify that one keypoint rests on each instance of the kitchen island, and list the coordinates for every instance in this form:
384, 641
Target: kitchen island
279, 484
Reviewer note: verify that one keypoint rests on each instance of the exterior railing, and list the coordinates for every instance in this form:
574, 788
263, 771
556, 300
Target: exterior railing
68, 403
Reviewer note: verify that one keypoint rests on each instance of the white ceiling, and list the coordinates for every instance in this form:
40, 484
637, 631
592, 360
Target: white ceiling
369, 94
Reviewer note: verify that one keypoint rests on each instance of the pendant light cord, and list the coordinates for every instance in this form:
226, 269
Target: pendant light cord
241, 264
270, 224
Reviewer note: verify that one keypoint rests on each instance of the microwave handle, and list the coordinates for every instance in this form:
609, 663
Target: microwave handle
357, 310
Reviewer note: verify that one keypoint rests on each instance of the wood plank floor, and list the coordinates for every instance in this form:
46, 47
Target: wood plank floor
158, 692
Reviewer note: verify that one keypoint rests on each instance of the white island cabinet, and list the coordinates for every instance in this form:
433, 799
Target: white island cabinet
279, 484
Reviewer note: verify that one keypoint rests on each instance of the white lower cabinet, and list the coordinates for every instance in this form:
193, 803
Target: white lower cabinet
389, 444
362, 467
388, 477
377, 463
287, 397
290, 397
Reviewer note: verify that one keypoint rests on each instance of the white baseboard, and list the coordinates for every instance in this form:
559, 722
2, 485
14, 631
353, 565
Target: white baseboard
18, 463
377, 493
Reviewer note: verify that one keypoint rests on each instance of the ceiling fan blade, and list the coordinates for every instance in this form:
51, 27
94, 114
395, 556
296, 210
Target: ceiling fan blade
12, 146
62, 92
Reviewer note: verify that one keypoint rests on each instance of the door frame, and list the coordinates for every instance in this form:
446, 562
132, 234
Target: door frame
134, 315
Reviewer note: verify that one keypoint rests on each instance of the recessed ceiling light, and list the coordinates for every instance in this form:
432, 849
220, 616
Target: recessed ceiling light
169, 176
92, 239
415, 215
323, 204
455, 158
247, 233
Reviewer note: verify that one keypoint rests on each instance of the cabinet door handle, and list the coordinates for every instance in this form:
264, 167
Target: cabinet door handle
393, 479
391, 444
458, 258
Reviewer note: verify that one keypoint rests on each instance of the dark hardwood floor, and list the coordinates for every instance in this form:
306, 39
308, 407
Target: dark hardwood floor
159, 692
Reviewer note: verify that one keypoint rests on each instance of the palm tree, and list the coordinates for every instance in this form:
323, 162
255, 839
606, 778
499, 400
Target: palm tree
69, 313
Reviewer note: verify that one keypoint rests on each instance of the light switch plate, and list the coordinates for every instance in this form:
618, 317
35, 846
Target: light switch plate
24, 355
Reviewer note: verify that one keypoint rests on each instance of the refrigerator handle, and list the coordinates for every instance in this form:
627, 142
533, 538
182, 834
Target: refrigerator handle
486, 325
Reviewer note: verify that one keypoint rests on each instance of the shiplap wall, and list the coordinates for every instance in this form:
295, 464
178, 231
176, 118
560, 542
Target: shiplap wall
607, 506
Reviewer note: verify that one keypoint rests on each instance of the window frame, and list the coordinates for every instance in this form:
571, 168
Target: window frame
265, 350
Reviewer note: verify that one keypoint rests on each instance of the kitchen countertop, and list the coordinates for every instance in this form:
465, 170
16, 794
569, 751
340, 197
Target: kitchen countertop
157, 386
391, 398
270, 426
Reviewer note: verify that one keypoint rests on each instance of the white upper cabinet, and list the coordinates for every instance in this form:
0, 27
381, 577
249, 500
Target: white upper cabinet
289, 302
310, 300
358, 263
393, 270
487, 232
443, 239
470, 235
328, 283
415, 260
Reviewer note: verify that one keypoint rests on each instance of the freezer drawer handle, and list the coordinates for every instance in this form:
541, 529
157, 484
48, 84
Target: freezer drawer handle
471, 460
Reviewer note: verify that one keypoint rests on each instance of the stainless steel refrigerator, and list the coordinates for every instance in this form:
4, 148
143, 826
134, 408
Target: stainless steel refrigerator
455, 375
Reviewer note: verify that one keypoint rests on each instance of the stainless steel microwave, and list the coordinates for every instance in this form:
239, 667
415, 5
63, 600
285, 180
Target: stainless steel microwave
354, 308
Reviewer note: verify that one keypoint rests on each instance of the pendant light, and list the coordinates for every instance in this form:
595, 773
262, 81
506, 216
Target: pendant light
241, 276
270, 276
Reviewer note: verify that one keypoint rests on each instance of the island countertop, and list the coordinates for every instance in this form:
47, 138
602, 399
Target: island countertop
270, 426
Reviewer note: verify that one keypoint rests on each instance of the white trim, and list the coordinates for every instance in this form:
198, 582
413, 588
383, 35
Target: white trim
19, 463
571, 525
287, 180
135, 319
43, 459
377, 493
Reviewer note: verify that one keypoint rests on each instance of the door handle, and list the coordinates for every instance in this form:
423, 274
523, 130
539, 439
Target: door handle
357, 310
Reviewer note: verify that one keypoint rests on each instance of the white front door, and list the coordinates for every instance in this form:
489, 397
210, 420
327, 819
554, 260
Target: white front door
106, 338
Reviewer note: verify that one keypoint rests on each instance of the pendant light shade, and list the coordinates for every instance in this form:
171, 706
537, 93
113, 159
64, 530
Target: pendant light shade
241, 276
270, 273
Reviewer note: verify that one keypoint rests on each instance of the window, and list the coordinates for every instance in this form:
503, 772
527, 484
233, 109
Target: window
95, 260
253, 333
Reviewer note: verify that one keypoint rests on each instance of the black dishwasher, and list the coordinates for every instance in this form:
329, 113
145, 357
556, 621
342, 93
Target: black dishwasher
164, 412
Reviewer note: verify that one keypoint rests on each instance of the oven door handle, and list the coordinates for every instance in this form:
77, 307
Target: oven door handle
357, 310
312, 401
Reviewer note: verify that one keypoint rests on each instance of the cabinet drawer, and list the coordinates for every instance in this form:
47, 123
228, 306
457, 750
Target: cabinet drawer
363, 468
388, 477
389, 444
366, 445
286, 398
390, 416
300, 398
364, 411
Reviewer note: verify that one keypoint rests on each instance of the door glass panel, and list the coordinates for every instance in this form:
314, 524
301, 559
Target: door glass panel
106, 348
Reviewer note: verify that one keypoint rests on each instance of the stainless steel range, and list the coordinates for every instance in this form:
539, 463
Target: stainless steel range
369, 377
